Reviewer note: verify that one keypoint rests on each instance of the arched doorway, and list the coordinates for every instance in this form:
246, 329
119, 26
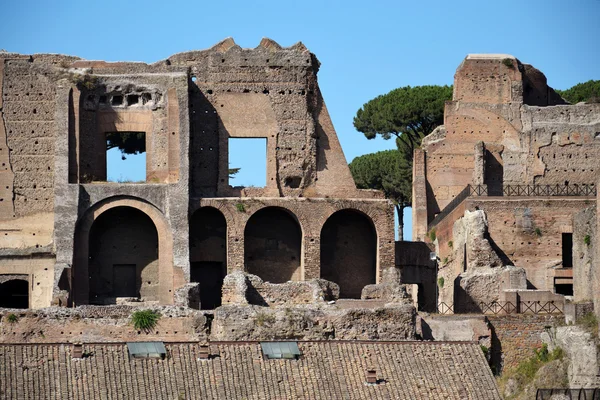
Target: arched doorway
123, 257
273, 245
208, 254
14, 294
349, 252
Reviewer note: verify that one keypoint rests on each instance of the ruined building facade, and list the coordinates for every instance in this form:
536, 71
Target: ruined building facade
68, 237
506, 188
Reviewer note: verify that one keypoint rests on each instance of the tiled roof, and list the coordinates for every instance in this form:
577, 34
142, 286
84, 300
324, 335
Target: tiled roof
326, 370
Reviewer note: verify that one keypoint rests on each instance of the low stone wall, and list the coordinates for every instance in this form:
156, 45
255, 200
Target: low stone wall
95, 324
454, 328
233, 323
515, 336
104, 324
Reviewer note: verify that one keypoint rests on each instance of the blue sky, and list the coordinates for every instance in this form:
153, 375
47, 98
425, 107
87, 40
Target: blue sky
366, 48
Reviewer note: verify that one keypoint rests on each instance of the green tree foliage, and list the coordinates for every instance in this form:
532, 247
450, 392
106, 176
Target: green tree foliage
232, 172
127, 142
588, 91
389, 172
408, 113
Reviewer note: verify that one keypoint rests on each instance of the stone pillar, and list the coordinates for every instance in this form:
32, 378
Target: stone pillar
479, 167
312, 257
419, 196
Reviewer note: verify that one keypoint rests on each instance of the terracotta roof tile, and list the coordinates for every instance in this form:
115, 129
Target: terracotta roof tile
326, 370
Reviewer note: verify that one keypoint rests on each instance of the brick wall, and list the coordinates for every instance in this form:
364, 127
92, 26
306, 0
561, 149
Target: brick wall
515, 336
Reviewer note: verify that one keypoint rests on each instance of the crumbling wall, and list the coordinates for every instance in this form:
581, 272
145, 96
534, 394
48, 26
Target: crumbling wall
516, 336
584, 254
528, 233
240, 288
475, 273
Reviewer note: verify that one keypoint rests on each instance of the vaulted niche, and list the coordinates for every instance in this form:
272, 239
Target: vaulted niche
273, 245
126, 157
123, 257
208, 254
349, 251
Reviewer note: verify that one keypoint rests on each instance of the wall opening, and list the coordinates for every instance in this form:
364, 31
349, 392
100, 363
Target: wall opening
273, 245
567, 250
249, 157
564, 289
349, 252
14, 294
123, 257
208, 254
126, 157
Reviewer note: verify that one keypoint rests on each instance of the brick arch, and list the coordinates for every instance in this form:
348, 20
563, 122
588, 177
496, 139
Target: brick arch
274, 249
165, 246
349, 251
208, 253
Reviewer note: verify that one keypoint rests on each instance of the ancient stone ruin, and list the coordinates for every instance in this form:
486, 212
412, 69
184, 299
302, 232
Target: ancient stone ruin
71, 238
506, 188
504, 215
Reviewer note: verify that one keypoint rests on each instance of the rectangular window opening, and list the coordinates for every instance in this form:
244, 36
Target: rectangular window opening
567, 250
126, 157
248, 162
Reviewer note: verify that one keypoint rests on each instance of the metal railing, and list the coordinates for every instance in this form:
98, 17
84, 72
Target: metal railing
574, 394
513, 190
497, 308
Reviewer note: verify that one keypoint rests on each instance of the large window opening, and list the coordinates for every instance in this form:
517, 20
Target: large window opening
14, 294
208, 254
273, 245
567, 250
349, 252
123, 257
126, 157
248, 162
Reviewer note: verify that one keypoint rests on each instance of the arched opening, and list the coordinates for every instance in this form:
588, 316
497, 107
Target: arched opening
123, 257
273, 245
14, 294
208, 254
349, 252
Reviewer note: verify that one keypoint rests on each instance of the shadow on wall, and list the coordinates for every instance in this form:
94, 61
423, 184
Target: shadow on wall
273, 245
349, 251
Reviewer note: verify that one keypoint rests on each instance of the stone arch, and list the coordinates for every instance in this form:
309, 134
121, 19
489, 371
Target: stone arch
349, 251
208, 254
273, 245
81, 285
14, 293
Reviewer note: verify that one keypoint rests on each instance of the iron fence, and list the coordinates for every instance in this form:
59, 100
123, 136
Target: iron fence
574, 394
513, 190
496, 308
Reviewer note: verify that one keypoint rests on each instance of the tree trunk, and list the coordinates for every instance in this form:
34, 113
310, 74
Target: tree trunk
400, 210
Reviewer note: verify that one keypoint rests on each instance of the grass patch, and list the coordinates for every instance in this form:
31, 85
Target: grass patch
441, 282
264, 319
432, 235
12, 318
450, 244
240, 207
144, 320
525, 371
508, 63
538, 231
587, 240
